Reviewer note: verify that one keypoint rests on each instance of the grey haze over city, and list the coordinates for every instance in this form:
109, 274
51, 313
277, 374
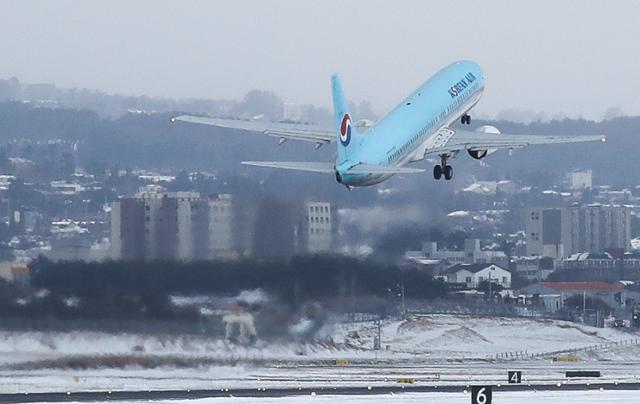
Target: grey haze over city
144, 256
550, 57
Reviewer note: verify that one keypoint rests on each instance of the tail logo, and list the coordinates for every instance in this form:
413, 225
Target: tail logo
345, 130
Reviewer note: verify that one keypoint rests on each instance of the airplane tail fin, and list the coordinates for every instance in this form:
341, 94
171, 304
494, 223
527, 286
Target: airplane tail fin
344, 130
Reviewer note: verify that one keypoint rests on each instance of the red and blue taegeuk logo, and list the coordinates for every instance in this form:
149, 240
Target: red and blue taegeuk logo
345, 130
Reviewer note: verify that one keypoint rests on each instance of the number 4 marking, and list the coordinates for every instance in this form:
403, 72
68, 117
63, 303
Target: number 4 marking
515, 377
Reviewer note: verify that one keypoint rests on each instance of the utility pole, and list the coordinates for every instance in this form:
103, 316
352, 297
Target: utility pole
584, 305
490, 295
377, 340
404, 308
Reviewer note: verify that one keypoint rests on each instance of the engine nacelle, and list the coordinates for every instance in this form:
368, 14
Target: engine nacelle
480, 154
362, 125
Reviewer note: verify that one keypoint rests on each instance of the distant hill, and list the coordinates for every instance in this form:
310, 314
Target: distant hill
140, 140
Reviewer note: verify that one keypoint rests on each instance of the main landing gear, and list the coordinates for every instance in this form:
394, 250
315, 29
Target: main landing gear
465, 119
443, 169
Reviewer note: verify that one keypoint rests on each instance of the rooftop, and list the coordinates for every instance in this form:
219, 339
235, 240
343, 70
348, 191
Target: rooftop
473, 268
611, 287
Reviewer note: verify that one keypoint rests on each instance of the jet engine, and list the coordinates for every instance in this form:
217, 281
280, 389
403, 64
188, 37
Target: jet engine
480, 154
363, 125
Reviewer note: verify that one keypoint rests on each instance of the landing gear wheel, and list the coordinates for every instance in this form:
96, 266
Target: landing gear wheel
465, 119
437, 172
448, 172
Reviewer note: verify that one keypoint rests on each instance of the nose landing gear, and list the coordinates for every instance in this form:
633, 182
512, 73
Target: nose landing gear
443, 169
465, 119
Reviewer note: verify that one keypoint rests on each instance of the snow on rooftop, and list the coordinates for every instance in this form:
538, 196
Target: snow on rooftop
424, 261
482, 187
459, 213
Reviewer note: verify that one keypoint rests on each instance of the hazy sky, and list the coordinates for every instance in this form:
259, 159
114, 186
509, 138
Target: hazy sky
576, 57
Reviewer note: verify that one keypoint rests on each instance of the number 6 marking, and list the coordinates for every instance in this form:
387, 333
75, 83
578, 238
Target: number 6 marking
481, 397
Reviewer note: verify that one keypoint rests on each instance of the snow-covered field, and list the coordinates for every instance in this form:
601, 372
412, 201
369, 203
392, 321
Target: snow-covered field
449, 336
435, 349
439, 336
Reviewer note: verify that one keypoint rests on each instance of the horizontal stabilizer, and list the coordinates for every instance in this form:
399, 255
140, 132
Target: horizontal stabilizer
374, 169
327, 168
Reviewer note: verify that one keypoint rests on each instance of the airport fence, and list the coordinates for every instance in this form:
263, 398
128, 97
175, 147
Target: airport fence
572, 352
480, 308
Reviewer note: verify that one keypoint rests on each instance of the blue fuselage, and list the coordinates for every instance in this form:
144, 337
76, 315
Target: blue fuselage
412, 127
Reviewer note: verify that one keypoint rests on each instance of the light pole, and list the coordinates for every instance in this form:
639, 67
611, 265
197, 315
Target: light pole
86, 207
490, 284
584, 305
67, 202
404, 308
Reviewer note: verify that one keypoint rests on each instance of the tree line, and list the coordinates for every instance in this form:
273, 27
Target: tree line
120, 289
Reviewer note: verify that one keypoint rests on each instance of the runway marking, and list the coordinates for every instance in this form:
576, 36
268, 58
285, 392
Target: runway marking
113, 395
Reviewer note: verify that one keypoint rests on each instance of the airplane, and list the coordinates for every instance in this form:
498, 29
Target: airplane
418, 128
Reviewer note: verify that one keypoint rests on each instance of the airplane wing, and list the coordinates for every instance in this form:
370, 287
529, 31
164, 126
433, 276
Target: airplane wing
329, 168
450, 140
283, 131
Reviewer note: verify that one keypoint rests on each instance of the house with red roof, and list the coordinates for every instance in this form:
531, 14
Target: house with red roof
614, 294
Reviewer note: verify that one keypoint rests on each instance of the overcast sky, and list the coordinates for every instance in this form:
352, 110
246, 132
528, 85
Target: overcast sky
576, 57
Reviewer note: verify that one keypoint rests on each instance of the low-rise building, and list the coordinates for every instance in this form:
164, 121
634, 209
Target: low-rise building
533, 268
472, 254
473, 274
16, 273
613, 294
580, 179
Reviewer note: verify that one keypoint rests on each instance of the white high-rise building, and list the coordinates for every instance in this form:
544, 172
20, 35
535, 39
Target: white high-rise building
561, 232
320, 227
221, 242
172, 225
193, 218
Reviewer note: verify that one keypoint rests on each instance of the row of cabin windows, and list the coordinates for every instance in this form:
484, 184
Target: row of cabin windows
458, 101
415, 137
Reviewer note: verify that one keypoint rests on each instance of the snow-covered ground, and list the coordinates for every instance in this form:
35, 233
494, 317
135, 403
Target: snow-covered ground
434, 349
448, 336
435, 336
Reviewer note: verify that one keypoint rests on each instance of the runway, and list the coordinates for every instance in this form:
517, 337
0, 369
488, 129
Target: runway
155, 395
